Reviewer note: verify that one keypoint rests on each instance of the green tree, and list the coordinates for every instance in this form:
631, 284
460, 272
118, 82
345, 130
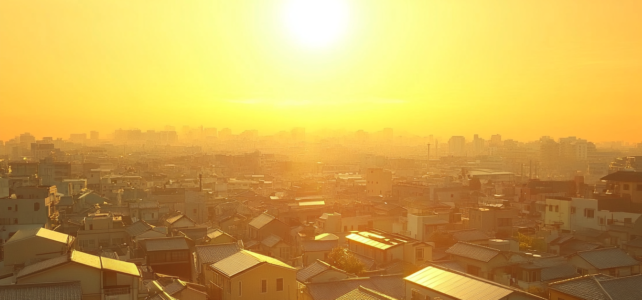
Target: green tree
342, 259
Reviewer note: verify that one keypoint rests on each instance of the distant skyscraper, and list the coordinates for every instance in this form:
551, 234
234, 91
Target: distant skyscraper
93, 135
457, 146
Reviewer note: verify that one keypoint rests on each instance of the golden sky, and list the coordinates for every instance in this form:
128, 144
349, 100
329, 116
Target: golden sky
519, 68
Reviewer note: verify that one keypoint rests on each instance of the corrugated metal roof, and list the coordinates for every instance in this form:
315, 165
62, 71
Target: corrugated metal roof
473, 251
166, 243
42, 233
457, 285
371, 242
312, 270
326, 237
92, 261
138, 228
119, 266
261, 220
209, 254
391, 285
244, 260
607, 258
271, 240
312, 203
362, 293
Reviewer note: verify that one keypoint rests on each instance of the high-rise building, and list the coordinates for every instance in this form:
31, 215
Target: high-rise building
457, 146
94, 135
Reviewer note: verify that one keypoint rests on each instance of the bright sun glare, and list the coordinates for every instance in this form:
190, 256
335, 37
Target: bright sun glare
316, 23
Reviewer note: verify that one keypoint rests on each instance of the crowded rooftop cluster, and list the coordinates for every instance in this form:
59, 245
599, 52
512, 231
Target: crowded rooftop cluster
207, 214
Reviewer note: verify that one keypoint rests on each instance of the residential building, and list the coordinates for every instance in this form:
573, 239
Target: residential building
385, 247
249, 275
389, 285
477, 260
70, 290
169, 255
320, 271
35, 244
609, 261
265, 225
101, 230
597, 286
205, 255
378, 182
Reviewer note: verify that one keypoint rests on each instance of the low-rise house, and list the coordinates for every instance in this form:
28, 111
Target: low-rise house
477, 260
176, 288
205, 255
437, 283
265, 225
178, 221
472, 236
597, 286
169, 255
317, 249
196, 234
70, 290
218, 236
249, 275
609, 261
634, 248
537, 273
235, 225
36, 244
384, 247
274, 246
363, 293
143, 230
101, 230
389, 285
99, 277
320, 271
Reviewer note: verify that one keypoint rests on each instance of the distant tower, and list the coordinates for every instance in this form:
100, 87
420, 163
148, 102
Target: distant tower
428, 152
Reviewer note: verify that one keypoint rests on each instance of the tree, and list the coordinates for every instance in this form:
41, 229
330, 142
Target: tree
340, 258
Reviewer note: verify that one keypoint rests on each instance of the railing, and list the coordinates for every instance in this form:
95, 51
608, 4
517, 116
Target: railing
116, 291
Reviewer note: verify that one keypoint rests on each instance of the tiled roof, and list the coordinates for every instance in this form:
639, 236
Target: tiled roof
214, 233
390, 285
449, 264
624, 288
195, 233
473, 251
166, 243
312, 246
41, 233
362, 293
261, 220
470, 235
312, 270
574, 245
271, 240
138, 228
637, 242
558, 272
585, 287
244, 260
42, 291
607, 258
209, 254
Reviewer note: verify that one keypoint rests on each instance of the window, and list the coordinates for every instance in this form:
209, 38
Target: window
36, 206
419, 254
91, 226
557, 208
263, 286
550, 207
229, 286
626, 187
279, 284
285, 252
572, 210
601, 221
589, 213
240, 288
473, 270
416, 295
639, 187
9, 208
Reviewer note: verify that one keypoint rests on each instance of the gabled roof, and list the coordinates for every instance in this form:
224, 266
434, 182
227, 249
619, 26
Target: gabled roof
214, 233
138, 228
624, 176
312, 270
473, 251
244, 260
174, 219
92, 261
166, 243
261, 220
584, 287
391, 285
271, 240
460, 285
195, 233
319, 245
375, 240
362, 293
51, 235
209, 254
607, 258
326, 237
70, 290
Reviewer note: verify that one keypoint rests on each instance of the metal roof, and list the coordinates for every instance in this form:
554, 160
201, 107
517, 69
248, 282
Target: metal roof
457, 285
584, 287
271, 240
326, 237
138, 228
624, 176
607, 258
473, 251
92, 261
362, 293
312, 270
244, 260
166, 243
312, 203
119, 266
373, 240
391, 285
209, 254
41, 233
261, 220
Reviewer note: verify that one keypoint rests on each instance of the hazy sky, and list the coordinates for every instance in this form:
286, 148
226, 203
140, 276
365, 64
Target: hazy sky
520, 68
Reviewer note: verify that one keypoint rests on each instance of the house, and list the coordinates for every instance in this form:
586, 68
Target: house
218, 236
320, 271
389, 285
69, 290
265, 225
476, 259
249, 275
169, 255
536, 273
205, 255
609, 261
317, 249
597, 286
178, 221
32, 206
384, 247
196, 234
234, 224
142, 230
497, 221
98, 276
436, 283
176, 289
625, 183
274, 246
472, 236
36, 244
101, 230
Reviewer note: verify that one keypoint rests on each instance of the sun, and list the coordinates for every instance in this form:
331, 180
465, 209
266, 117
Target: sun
316, 23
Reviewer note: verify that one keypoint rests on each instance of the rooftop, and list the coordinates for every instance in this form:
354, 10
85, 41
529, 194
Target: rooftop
208, 254
82, 258
166, 243
244, 260
601, 287
624, 176
376, 239
51, 235
261, 220
42, 291
390, 285
473, 251
607, 258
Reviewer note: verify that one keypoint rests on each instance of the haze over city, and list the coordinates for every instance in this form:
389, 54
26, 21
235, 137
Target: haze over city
320, 150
